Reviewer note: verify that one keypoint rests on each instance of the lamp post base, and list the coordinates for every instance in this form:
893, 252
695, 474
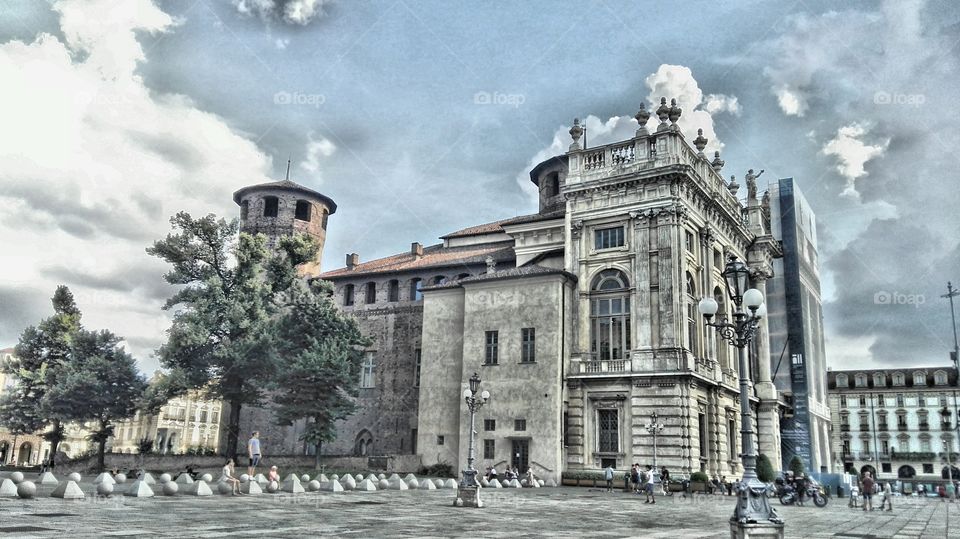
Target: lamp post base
753, 506
756, 530
468, 497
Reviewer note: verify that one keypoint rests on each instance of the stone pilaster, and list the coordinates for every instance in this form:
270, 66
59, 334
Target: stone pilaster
575, 434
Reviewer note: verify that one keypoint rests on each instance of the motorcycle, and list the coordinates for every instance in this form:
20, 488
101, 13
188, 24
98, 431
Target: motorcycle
813, 492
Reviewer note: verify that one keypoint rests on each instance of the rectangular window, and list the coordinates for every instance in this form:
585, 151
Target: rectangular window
921, 400
439, 440
928, 468
519, 424
367, 370
900, 400
863, 401
488, 449
371, 295
492, 355
348, 295
416, 374
885, 467
608, 432
270, 206
688, 241
489, 425
608, 238
702, 429
393, 293
732, 440
415, 293
566, 428
528, 350
717, 259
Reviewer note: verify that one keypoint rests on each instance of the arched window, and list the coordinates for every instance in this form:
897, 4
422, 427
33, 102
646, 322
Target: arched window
393, 290
364, 445
879, 379
610, 315
693, 327
439, 279
271, 206
303, 212
415, 293
348, 295
371, 293
906, 472
940, 378
860, 380
898, 378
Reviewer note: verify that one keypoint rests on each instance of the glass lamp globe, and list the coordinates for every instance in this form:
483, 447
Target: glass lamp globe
753, 298
467, 393
761, 311
708, 307
485, 395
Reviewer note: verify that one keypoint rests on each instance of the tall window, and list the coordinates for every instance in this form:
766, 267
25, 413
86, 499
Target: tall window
702, 430
393, 290
552, 185
608, 433
415, 293
921, 400
693, 324
371, 295
416, 373
271, 206
492, 352
863, 401
488, 449
940, 378
528, 345
608, 238
688, 241
732, 440
843, 400
722, 349
900, 400
610, 315
367, 370
323, 222
919, 378
348, 295
302, 211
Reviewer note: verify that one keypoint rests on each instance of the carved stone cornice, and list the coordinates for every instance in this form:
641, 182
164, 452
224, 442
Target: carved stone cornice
576, 229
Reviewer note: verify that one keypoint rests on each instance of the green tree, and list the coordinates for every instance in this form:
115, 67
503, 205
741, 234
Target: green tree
219, 341
100, 385
321, 350
41, 356
796, 465
764, 469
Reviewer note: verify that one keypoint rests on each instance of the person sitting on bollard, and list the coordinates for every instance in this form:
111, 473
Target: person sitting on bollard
273, 474
229, 477
491, 473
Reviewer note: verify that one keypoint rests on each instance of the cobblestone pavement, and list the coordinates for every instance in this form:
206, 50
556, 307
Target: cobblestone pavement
547, 512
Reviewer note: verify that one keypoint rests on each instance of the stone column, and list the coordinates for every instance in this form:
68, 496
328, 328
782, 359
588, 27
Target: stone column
575, 411
762, 382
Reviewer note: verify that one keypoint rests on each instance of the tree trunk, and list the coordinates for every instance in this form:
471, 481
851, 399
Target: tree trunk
233, 429
317, 459
102, 446
55, 437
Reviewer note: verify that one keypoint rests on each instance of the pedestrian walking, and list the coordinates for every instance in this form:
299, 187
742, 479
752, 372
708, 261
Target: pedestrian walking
868, 484
649, 485
253, 452
887, 500
635, 477
608, 475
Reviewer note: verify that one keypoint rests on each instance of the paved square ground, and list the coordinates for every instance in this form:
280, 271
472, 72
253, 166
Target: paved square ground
546, 512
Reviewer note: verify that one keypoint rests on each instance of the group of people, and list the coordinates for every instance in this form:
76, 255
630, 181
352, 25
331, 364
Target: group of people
720, 485
254, 455
509, 474
641, 480
867, 488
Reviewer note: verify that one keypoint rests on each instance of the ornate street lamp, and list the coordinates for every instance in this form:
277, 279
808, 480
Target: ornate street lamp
468, 494
654, 427
948, 446
753, 508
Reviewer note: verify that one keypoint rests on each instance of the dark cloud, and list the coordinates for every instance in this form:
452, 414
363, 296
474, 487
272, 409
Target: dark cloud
21, 307
144, 278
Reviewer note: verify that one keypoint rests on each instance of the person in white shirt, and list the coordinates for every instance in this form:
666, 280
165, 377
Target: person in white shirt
229, 478
649, 485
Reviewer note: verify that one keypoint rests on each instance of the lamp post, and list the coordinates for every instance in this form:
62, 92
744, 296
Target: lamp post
948, 446
468, 495
753, 509
654, 427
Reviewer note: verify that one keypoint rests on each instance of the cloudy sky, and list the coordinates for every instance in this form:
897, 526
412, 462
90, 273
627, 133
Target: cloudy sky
420, 118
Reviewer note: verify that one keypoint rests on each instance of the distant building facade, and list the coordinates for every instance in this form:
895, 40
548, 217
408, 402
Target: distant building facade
187, 423
795, 316
891, 422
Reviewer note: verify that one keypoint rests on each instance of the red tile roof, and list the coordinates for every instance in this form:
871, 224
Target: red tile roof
433, 256
497, 226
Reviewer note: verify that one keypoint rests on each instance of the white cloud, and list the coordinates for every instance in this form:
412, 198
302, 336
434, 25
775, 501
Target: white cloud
281, 43
297, 12
852, 154
93, 164
315, 150
791, 103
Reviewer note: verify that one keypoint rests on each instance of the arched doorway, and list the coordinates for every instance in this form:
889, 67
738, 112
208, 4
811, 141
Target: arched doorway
906, 472
868, 468
4, 451
23, 456
945, 472
364, 444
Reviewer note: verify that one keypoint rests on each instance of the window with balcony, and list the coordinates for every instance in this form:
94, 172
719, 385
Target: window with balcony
610, 315
843, 401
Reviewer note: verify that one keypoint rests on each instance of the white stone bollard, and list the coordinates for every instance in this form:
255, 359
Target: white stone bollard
170, 488
104, 488
26, 489
68, 490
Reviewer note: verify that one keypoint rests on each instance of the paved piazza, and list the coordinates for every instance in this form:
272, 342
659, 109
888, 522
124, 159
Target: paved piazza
547, 512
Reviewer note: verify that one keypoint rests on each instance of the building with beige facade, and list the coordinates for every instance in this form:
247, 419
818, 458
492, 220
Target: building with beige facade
581, 319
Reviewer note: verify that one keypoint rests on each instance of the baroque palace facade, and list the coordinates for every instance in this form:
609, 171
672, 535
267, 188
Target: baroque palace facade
581, 319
